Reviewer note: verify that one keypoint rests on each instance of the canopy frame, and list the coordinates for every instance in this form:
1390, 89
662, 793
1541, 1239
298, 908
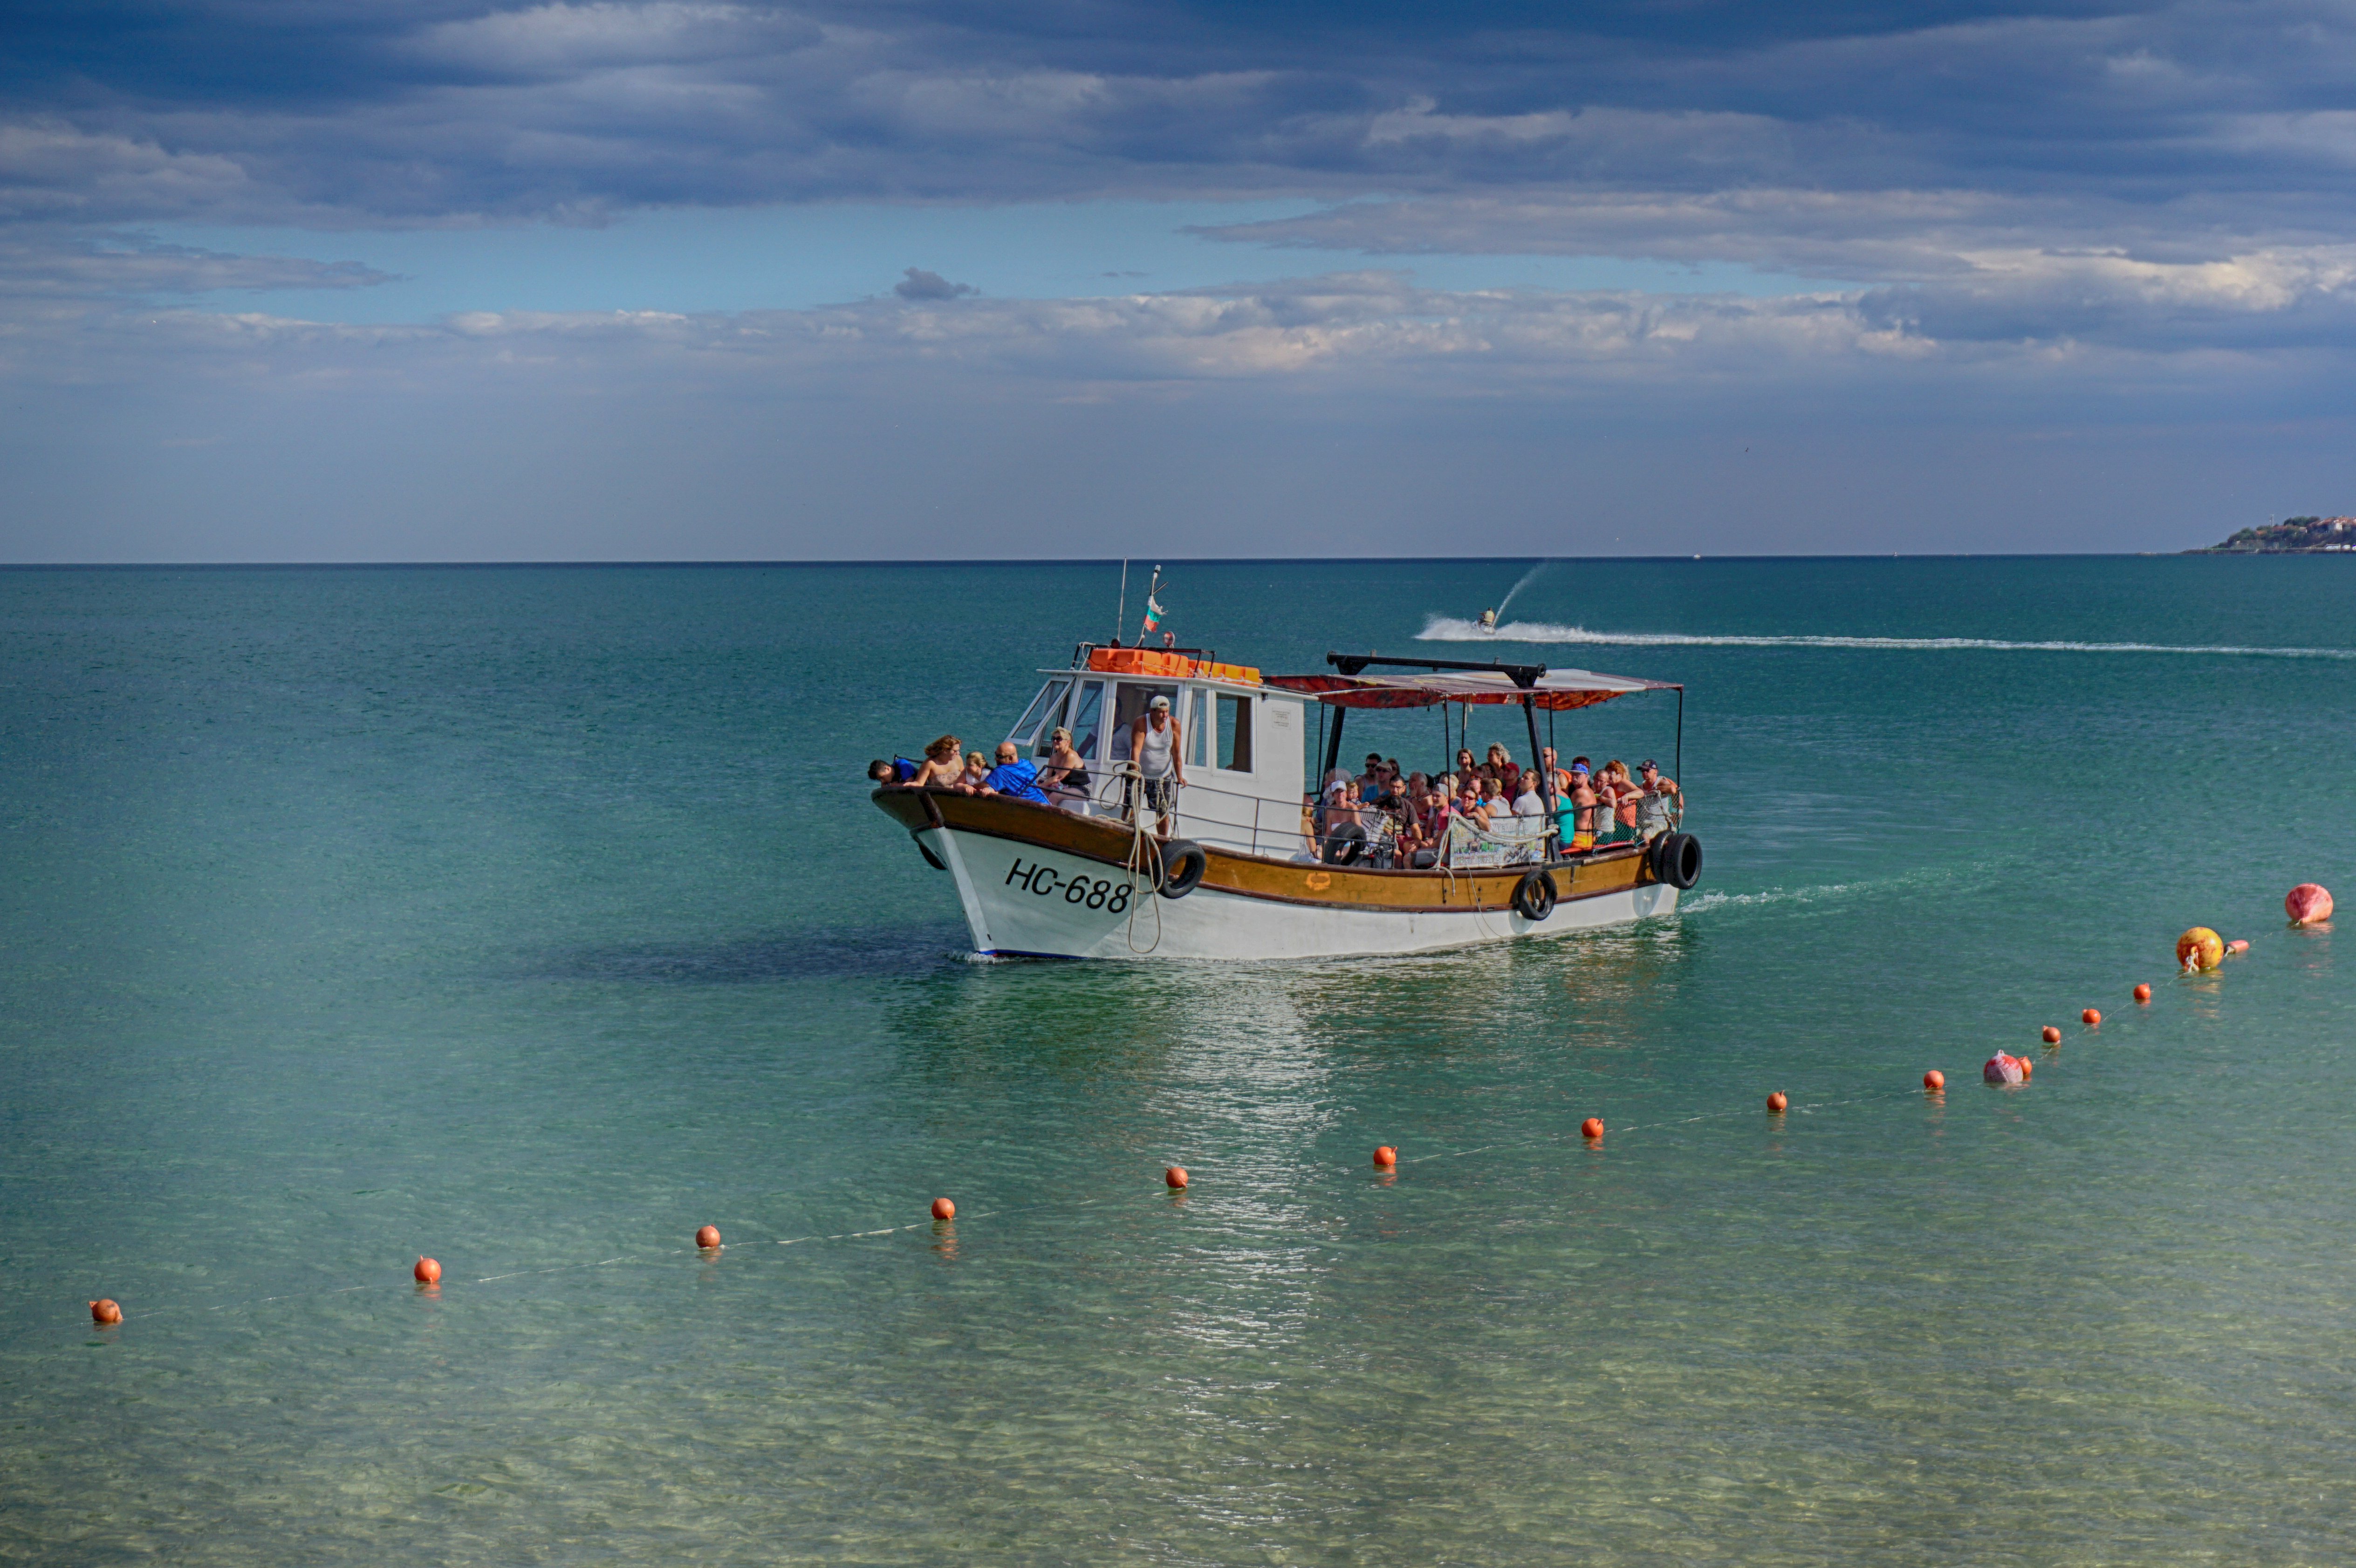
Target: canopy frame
1525, 678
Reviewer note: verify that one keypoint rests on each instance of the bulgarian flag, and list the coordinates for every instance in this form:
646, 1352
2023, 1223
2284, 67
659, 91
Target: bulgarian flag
1153, 613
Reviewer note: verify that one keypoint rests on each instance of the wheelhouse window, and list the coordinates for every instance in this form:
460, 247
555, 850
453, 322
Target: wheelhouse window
1087, 714
1129, 703
1198, 728
1040, 719
1235, 734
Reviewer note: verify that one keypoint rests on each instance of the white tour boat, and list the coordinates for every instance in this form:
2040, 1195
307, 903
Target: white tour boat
1241, 875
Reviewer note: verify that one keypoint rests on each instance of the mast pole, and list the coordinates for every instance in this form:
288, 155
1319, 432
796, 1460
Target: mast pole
1121, 616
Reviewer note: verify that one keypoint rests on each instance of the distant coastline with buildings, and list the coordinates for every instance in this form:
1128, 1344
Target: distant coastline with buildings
2291, 536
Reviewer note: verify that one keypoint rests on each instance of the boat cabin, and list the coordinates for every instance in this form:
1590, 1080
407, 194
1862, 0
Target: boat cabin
1242, 740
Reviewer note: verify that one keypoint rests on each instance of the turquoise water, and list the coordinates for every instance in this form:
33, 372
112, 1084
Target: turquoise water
532, 917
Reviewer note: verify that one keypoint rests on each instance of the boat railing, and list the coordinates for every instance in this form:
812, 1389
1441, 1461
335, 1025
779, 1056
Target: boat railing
1272, 828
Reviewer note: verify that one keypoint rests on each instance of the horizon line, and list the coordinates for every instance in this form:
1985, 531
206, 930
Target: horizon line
698, 565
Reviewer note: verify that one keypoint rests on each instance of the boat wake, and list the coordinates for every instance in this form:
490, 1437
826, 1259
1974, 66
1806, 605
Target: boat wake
1702, 903
1448, 628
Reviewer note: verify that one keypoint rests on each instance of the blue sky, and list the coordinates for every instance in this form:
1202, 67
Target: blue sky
691, 278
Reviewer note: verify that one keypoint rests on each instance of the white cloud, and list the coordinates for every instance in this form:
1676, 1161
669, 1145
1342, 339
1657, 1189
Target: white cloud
1353, 334
558, 40
51, 170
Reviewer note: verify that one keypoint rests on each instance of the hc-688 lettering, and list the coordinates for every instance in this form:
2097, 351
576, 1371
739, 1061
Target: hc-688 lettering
1044, 882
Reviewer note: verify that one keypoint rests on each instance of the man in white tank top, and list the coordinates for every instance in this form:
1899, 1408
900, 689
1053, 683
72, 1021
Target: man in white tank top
1155, 745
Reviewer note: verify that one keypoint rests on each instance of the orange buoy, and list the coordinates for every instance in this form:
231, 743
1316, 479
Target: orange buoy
2200, 949
2143, 993
2092, 1018
944, 1210
2237, 946
708, 1237
1934, 1080
105, 1314
1385, 1156
1775, 1103
428, 1272
1176, 1176
2051, 1035
2028, 1067
2004, 1068
2308, 903
1592, 1129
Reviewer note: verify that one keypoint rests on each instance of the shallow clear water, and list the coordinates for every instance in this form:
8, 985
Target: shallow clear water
532, 917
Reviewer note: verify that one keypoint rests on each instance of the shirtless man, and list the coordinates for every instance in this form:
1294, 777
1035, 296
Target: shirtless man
1662, 803
1584, 803
1345, 829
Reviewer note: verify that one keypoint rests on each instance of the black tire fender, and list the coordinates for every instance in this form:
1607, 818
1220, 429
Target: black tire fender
1534, 896
935, 861
1182, 866
1677, 860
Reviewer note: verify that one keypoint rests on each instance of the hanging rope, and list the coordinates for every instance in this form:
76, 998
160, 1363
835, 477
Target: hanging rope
1144, 860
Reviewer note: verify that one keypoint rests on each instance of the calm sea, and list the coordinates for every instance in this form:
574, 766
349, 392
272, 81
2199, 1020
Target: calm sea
532, 917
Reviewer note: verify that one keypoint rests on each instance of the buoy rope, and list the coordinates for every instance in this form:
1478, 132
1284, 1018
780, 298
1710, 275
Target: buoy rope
600, 1264
1675, 1121
1141, 1195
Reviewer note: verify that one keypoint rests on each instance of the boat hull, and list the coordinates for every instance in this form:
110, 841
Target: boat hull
1034, 882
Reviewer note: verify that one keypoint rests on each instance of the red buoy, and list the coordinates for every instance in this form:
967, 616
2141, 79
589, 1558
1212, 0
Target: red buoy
1775, 1103
1592, 1129
1934, 1080
2051, 1035
1385, 1156
944, 1210
105, 1314
2237, 945
1176, 1176
428, 1272
2091, 1018
2003, 1068
708, 1237
2306, 904
2143, 993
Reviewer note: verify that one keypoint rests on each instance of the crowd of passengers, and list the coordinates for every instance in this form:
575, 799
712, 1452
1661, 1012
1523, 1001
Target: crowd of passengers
1061, 781
1381, 820
1377, 818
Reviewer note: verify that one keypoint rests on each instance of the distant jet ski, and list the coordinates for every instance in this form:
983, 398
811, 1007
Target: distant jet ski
1488, 620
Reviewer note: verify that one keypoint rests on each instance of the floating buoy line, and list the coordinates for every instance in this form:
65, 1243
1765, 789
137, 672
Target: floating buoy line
2198, 951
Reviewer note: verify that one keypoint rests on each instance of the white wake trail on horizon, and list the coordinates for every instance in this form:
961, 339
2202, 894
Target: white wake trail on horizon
1449, 629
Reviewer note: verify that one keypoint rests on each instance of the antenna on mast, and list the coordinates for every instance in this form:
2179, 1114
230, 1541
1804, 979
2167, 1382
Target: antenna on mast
1121, 616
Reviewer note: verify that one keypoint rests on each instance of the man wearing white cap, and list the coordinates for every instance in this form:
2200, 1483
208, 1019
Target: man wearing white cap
1155, 744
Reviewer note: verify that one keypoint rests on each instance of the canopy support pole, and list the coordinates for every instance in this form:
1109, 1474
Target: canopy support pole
1546, 774
1332, 750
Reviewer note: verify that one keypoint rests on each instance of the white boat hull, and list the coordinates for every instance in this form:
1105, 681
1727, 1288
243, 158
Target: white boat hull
1023, 899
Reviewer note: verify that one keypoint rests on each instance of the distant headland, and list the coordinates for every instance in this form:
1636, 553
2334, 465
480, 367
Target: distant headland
2291, 536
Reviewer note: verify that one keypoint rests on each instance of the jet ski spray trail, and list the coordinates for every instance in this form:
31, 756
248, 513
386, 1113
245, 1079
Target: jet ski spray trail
1489, 618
